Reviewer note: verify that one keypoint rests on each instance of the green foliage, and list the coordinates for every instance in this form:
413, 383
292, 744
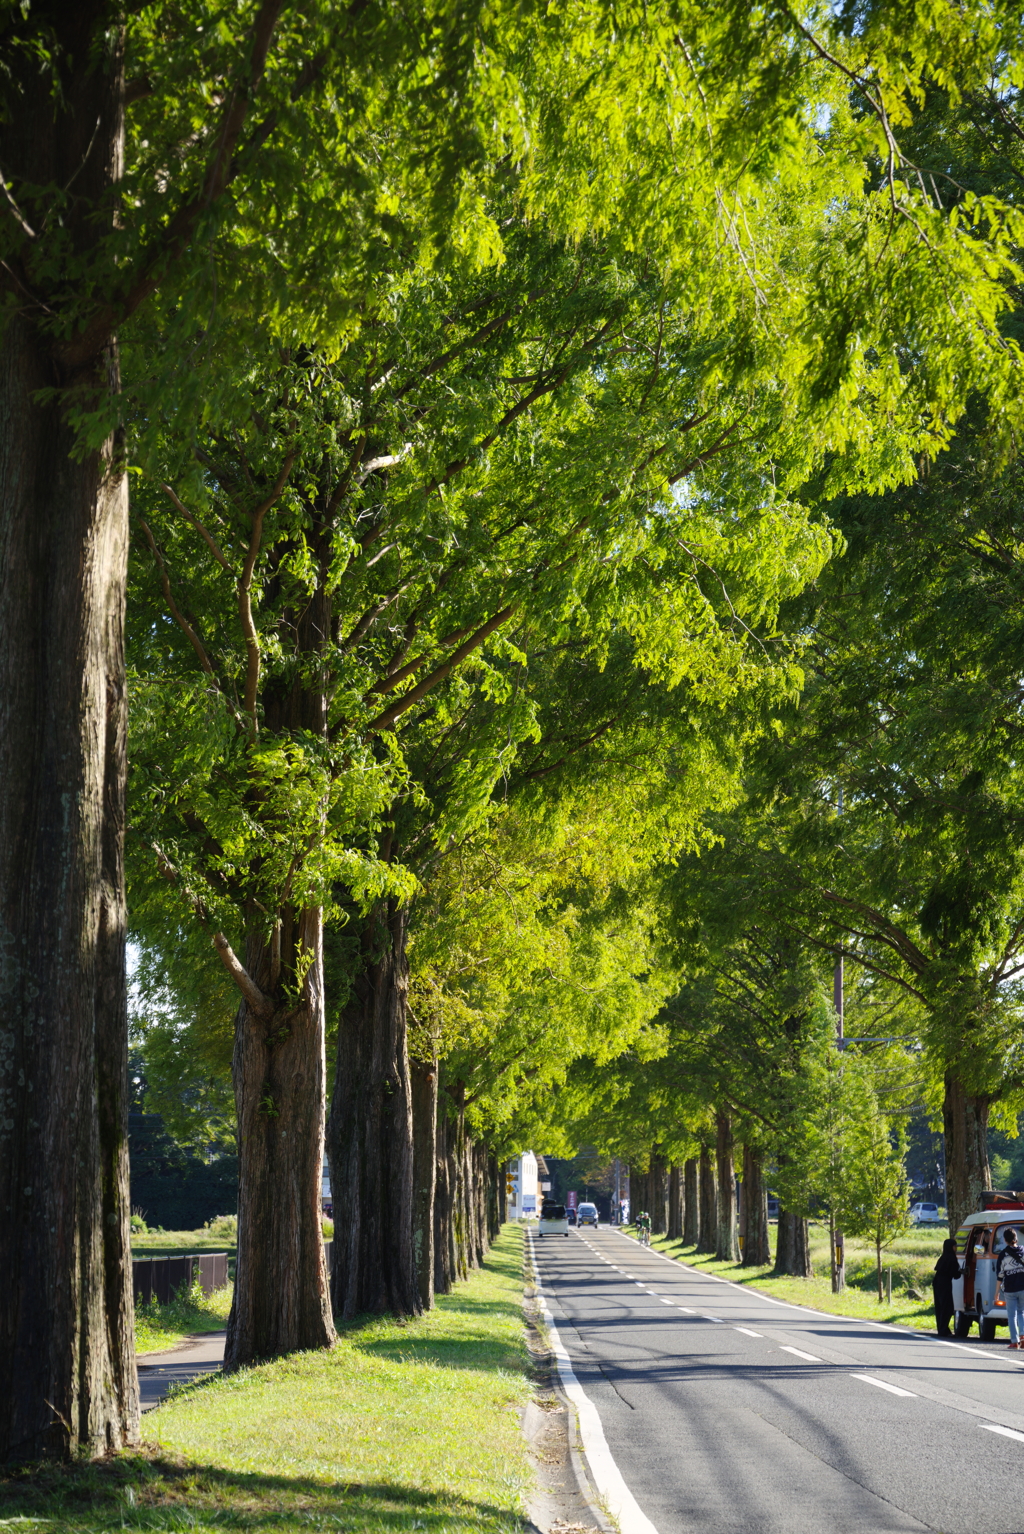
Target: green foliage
224, 1227
481, 409
875, 1192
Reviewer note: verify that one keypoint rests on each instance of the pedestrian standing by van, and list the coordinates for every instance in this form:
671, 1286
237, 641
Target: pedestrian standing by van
946, 1269
1010, 1269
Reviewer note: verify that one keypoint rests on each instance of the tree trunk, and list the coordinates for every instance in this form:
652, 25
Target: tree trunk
727, 1246
482, 1223
281, 1302
424, 1173
443, 1268
756, 1248
792, 1246
469, 1203
659, 1193
640, 1187
965, 1129
707, 1230
675, 1203
457, 1178
479, 1237
495, 1183
691, 1202
502, 1195
369, 1132
67, 1367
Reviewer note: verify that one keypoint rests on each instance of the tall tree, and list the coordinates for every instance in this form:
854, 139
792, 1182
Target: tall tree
245, 189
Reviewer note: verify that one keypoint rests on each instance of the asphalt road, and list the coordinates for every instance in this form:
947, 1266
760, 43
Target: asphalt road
730, 1413
159, 1372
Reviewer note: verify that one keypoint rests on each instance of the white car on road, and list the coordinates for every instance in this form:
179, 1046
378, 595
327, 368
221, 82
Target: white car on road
927, 1214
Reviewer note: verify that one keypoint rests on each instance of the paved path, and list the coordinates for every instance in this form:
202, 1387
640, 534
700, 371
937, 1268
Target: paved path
202, 1354
730, 1413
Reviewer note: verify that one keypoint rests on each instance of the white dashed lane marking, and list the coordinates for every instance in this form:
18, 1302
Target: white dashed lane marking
869, 1379
799, 1353
747, 1332
1007, 1432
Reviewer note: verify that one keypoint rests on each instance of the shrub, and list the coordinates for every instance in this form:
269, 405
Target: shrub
223, 1227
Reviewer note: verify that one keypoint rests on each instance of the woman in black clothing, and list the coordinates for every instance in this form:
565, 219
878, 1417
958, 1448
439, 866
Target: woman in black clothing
946, 1269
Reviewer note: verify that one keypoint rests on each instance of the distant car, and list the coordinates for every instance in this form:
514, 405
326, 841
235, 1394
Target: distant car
570, 1215
926, 1214
588, 1215
773, 1208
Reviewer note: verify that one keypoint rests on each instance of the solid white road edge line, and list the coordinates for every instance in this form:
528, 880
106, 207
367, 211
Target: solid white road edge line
612, 1488
1007, 1432
869, 1379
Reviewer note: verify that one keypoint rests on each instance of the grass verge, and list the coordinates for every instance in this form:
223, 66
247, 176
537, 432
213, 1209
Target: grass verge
401, 1427
163, 1326
817, 1291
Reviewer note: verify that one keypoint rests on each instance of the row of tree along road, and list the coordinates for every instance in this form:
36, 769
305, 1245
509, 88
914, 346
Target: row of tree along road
423, 442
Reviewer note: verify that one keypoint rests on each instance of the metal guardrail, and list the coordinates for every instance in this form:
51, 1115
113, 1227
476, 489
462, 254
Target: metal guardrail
160, 1278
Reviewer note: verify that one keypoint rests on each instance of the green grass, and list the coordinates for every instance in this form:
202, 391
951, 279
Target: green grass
163, 1326
178, 1243
912, 1259
401, 1427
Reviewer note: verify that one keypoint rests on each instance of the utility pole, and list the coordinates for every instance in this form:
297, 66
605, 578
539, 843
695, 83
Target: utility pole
836, 1236
618, 1192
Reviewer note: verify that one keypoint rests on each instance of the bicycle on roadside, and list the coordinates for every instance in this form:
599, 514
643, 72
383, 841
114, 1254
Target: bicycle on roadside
643, 1228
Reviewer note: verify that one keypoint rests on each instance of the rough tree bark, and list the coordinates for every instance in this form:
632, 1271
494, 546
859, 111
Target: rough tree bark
500, 1197
495, 1186
707, 1228
424, 1174
756, 1249
369, 1130
457, 1182
469, 1203
675, 1203
792, 1247
965, 1130
659, 1191
727, 1248
478, 1236
444, 1271
67, 1368
640, 1192
482, 1224
281, 1302
691, 1201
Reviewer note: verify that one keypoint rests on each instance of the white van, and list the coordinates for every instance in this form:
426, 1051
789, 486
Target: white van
976, 1294
553, 1220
